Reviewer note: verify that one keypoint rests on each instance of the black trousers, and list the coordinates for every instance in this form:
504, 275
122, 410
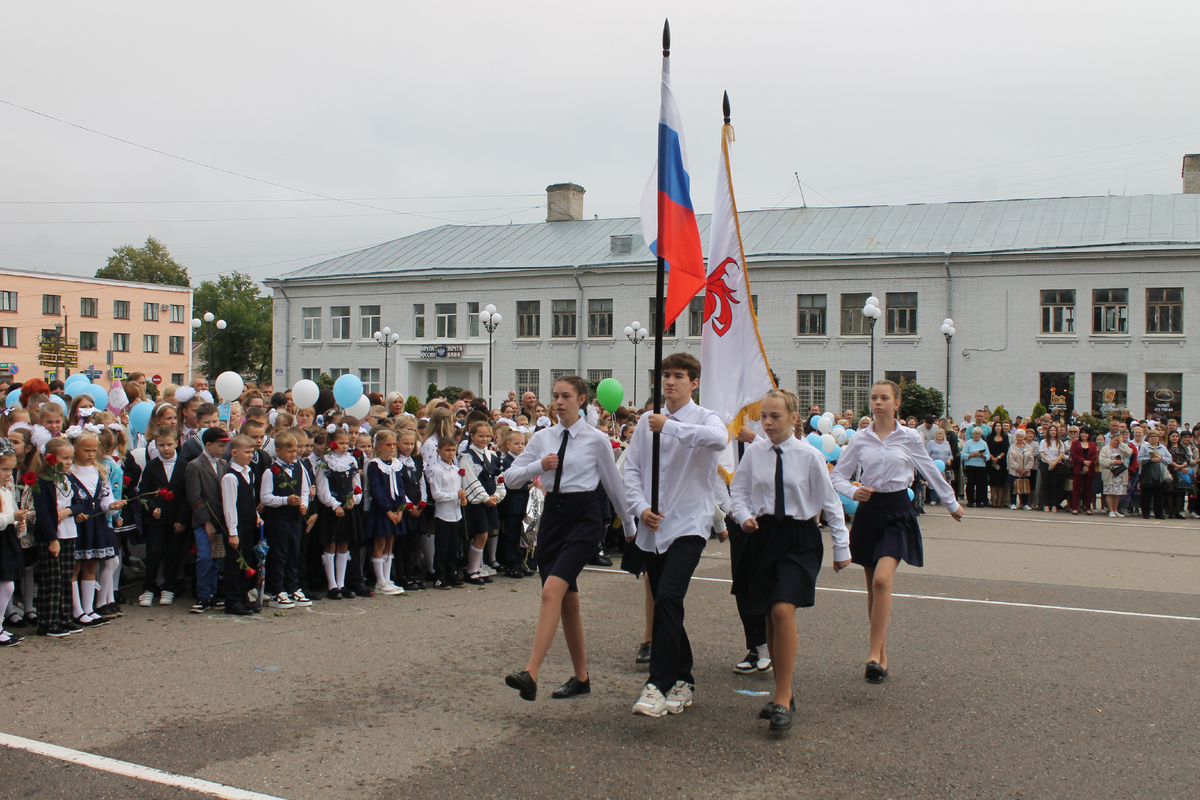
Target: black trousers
977, 486
1152, 497
164, 548
753, 625
670, 573
445, 548
236, 583
511, 528
283, 557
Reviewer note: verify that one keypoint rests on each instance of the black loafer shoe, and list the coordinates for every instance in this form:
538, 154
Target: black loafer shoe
643, 654
238, 609
765, 711
524, 684
781, 717
875, 673
572, 687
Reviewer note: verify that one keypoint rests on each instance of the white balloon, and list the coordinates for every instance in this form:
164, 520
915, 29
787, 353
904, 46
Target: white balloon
230, 386
360, 407
828, 415
305, 393
839, 434
823, 425
827, 443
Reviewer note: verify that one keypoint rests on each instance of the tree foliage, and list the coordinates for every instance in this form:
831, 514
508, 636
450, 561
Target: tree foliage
921, 401
1039, 410
412, 405
150, 263
244, 346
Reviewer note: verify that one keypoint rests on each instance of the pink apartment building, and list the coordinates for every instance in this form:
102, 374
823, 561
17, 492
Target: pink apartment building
118, 326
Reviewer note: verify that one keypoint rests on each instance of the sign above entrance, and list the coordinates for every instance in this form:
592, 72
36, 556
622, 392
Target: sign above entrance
442, 351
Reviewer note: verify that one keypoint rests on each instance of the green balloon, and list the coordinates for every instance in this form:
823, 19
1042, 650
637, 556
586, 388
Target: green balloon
610, 393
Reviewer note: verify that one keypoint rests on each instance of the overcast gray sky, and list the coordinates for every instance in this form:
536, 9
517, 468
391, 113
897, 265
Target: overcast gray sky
418, 114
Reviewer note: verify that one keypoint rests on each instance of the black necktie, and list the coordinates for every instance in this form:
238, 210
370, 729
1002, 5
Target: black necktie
780, 511
562, 450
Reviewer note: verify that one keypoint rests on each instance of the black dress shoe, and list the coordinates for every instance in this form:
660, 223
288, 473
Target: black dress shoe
643, 654
875, 673
572, 687
765, 711
523, 683
781, 717
238, 609
600, 560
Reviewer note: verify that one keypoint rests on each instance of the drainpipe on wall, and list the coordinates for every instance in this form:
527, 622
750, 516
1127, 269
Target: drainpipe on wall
949, 287
578, 324
287, 337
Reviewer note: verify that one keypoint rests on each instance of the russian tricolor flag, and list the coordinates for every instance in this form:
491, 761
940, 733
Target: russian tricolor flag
668, 219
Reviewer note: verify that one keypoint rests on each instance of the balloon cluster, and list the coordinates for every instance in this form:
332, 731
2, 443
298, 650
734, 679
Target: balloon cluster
827, 437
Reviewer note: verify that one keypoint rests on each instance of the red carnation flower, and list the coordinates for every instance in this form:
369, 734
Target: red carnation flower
333, 446
250, 573
275, 470
358, 490
462, 472
616, 445
29, 479
356, 453
166, 494
127, 480
51, 459
421, 505
409, 507
500, 479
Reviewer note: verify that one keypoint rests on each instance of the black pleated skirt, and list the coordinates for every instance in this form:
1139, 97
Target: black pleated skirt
779, 564
886, 527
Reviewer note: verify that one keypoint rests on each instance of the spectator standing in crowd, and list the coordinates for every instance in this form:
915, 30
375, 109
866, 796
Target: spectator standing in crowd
1053, 467
1084, 456
975, 465
997, 464
1020, 467
1153, 459
1114, 462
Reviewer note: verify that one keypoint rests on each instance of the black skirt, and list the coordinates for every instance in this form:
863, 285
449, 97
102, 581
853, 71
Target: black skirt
569, 534
779, 564
12, 560
886, 527
481, 518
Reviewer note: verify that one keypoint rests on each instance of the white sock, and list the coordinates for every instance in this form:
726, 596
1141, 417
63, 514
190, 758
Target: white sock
490, 550
339, 568
109, 572
87, 597
28, 585
377, 565
474, 557
6, 592
327, 563
387, 568
76, 609
427, 551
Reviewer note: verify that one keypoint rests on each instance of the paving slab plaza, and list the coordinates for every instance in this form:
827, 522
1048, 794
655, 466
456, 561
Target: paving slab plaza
1034, 656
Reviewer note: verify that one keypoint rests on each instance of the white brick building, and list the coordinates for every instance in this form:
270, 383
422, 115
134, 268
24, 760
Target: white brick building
1081, 294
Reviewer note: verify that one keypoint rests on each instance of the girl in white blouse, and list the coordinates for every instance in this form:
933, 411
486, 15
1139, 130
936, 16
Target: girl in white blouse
885, 528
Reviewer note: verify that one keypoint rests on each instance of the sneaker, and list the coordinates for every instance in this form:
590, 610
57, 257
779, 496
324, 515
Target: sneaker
748, 664
1025, 508
651, 703
679, 698
1013, 507
299, 599
1112, 514
72, 627
389, 589
1194, 515
56, 632
486, 569
146, 599
282, 600
1119, 514
166, 598
763, 664
11, 640
252, 595
441, 584
200, 606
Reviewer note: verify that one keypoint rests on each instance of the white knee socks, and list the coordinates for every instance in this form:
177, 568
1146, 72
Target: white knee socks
387, 568
6, 593
327, 563
339, 568
87, 597
474, 557
490, 550
377, 565
109, 572
76, 608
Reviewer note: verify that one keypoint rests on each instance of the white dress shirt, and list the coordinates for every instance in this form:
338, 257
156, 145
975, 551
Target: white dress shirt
444, 483
268, 497
888, 465
229, 493
588, 462
338, 463
807, 489
691, 441
476, 494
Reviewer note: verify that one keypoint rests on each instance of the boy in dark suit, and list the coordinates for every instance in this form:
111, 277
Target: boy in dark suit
163, 519
202, 479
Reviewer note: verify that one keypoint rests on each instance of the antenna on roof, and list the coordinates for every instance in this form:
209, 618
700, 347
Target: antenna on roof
803, 202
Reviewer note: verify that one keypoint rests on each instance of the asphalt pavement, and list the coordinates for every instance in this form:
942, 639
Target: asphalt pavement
1035, 656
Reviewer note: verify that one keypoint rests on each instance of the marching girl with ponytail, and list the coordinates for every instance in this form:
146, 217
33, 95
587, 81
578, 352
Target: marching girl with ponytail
885, 531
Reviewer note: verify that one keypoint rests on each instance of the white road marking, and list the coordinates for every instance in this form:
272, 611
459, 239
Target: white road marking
1099, 519
977, 601
137, 771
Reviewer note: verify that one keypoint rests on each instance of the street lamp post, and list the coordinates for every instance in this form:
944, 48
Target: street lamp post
490, 319
948, 332
872, 313
636, 334
386, 340
221, 325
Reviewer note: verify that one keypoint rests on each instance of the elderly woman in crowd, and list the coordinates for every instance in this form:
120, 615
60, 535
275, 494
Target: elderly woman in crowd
1021, 465
1114, 472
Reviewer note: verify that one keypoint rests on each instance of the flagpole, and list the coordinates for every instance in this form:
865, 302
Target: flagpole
659, 301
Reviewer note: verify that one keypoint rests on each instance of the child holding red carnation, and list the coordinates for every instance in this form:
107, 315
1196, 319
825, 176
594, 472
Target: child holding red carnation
339, 527
417, 550
164, 522
385, 510
284, 497
239, 507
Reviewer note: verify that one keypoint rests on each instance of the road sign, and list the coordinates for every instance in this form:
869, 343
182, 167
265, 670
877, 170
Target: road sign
93, 374
156, 380
118, 372
12, 368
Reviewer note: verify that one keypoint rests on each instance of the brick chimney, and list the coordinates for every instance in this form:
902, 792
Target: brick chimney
564, 201
1191, 174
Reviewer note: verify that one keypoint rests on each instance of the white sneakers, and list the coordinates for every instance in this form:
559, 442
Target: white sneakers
651, 703
282, 600
300, 599
389, 588
763, 664
1112, 514
1013, 507
166, 598
146, 599
679, 698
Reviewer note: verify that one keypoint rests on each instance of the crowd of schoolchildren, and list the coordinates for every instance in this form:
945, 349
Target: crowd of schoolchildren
276, 506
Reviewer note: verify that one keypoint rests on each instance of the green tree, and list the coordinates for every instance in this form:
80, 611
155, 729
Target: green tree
920, 401
1039, 410
244, 346
412, 405
150, 263
324, 381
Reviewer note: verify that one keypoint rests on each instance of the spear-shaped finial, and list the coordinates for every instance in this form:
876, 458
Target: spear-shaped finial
725, 107
666, 38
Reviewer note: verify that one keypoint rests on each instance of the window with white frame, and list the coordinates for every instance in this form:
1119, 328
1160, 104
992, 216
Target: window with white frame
527, 380
1110, 311
311, 324
901, 313
150, 312
8, 337
175, 345
810, 387
596, 375
339, 322
696, 316
472, 319
1164, 310
89, 307
177, 312
562, 317
600, 318
88, 340
810, 316
446, 320
1058, 311
418, 320
369, 317
853, 321
529, 319
149, 343
120, 342
856, 387
370, 379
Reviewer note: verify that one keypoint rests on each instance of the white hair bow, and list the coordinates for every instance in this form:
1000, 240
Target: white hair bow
86, 412
73, 432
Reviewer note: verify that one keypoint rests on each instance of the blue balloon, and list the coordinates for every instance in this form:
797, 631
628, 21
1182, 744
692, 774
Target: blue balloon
347, 390
61, 403
850, 432
139, 416
910, 494
849, 505
99, 396
814, 439
835, 454
13, 399
78, 377
812, 421
941, 465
